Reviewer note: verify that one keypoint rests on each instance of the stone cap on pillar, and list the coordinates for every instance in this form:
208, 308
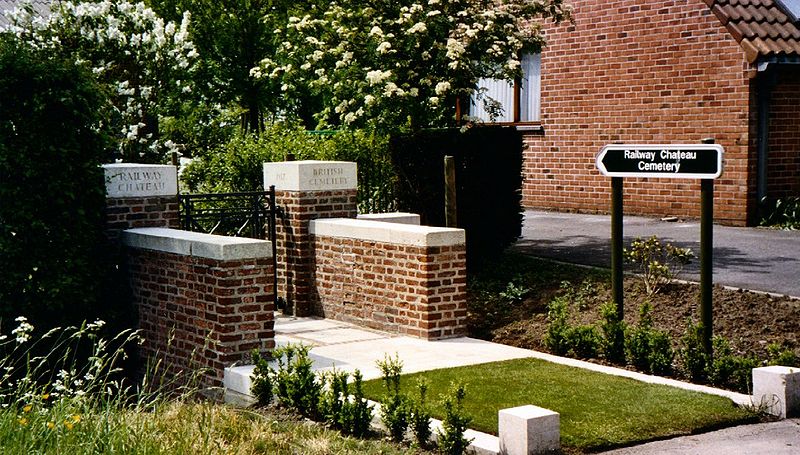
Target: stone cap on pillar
140, 180
311, 175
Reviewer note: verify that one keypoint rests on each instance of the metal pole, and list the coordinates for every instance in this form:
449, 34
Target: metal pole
706, 259
616, 245
273, 220
450, 217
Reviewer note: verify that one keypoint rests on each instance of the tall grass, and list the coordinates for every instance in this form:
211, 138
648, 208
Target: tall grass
64, 392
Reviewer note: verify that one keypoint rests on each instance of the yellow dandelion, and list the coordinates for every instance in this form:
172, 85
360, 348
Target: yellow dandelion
51, 425
68, 424
45, 396
27, 408
76, 418
23, 421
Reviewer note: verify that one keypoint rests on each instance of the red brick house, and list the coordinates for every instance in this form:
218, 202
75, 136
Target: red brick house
650, 71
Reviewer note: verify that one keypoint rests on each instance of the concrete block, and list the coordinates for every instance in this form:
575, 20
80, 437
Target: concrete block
528, 430
778, 389
311, 175
394, 217
376, 231
197, 244
140, 180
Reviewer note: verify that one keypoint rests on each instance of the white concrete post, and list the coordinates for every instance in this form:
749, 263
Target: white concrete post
527, 430
778, 390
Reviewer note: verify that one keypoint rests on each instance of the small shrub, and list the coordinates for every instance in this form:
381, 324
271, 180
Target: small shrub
394, 408
333, 398
451, 436
583, 341
420, 416
262, 380
612, 329
557, 326
784, 213
693, 356
661, 353
778, 355
730, 370
637, 342
514, 293
296, 385
649, 349
357, 411
351, 415
658, 263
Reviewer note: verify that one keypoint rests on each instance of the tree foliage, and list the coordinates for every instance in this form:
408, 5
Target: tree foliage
51, 187
142, 61
395, 64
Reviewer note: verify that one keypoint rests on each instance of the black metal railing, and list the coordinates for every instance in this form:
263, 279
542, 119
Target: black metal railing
250, 214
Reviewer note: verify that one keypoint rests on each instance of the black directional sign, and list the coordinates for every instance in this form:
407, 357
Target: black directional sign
688, 161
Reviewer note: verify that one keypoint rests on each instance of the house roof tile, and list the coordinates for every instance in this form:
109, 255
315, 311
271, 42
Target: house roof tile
761, 27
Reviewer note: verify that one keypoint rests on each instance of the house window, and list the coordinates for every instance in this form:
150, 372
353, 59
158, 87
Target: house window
519, 101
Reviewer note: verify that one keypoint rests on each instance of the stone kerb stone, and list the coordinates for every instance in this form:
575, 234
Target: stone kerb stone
128, 180
197, 244
377, 231
311, 175
777, 388
528, 430
392, 217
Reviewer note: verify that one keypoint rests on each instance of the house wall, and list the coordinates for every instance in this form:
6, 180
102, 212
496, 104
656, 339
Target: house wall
783, 169
640, 72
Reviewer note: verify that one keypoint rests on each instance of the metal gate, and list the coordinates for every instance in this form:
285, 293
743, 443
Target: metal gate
250, 214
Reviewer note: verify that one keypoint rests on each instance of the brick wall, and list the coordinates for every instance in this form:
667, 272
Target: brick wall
783, 170
640, 72
200, 312
410, 289
293, 248
139, 212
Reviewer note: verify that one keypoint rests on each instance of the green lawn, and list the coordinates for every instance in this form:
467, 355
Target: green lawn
597, 410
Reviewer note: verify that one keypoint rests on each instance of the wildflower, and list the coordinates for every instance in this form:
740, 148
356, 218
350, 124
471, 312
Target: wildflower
23, 421
51, 425
69, 424
45, 396
27, 408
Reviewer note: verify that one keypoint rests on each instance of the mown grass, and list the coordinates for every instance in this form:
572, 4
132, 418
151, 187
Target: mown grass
597, 410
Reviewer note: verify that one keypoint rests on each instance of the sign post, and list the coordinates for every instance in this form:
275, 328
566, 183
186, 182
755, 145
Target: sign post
688, 161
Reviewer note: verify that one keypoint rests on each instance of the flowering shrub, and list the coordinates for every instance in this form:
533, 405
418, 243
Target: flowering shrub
658, 263
143, 61
402, 63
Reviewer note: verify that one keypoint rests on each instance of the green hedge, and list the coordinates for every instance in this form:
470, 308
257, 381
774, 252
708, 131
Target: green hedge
237, 165
52, 194
488, 179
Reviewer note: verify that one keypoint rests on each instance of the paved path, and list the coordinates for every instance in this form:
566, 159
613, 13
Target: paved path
750, 258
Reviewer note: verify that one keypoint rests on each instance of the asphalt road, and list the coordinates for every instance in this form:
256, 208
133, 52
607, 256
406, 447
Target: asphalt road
775, 438
750, 258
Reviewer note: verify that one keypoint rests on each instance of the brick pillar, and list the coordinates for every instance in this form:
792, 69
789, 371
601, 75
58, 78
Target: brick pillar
140, 195
306, 190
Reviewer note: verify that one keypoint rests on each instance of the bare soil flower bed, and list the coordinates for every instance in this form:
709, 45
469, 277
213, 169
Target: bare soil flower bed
749, 320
